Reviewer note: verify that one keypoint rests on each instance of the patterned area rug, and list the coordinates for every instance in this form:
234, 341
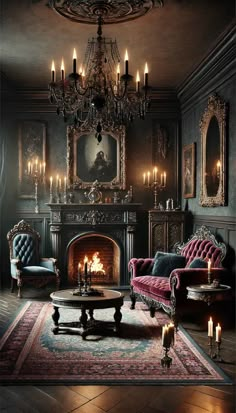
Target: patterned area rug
31, 353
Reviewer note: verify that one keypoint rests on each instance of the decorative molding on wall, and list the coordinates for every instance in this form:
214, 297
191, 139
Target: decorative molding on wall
216, 69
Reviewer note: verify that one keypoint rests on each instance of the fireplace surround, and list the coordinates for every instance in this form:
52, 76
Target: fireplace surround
112, 227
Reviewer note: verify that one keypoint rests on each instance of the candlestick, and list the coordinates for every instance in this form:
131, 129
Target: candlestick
156, 185
36, 174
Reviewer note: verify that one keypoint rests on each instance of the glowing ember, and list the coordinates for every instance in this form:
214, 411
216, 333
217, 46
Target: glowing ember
95, 265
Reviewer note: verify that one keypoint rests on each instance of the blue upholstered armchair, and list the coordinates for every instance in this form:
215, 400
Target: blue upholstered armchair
26, 265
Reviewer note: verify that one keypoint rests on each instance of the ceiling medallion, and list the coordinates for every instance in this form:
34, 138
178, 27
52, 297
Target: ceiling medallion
111, 11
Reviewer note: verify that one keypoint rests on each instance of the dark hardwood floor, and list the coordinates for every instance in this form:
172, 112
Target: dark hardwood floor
122, 399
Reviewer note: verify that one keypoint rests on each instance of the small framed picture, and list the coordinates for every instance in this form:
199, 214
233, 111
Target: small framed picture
189, 171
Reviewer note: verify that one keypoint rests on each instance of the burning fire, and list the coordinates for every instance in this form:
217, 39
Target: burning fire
95, 265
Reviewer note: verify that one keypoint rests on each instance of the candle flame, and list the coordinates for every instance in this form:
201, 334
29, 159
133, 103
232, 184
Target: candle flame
74, 54
118, 69
126, 55
137, 77
62, 65
146, 68
53, 66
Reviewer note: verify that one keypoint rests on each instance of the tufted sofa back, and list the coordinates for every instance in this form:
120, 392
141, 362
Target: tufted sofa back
205, 249
25, 247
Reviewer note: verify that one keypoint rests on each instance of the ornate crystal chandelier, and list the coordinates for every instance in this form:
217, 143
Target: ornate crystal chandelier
95, 93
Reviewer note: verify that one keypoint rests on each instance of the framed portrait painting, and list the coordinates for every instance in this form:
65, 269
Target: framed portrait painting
89, 160
31, 145
189, 171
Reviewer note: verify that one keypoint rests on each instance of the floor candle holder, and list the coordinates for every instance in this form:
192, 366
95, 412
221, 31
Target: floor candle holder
210, 345
166, 361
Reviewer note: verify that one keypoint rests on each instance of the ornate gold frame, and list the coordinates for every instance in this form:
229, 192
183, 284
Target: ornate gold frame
73, 135
216, 107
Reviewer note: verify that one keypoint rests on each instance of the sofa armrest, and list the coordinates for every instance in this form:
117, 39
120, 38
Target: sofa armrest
182, 277
140, 266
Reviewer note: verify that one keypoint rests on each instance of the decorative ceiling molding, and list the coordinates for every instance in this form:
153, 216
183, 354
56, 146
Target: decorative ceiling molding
111, 11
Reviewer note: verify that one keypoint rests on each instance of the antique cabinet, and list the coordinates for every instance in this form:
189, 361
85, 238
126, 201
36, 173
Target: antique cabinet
165, 229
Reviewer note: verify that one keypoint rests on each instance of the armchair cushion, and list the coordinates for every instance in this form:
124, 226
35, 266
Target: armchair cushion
198, 263
164, 264
37, 271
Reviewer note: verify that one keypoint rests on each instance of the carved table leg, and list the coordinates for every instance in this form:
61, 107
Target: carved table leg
83, 321
117, 318
55, 317
91, 314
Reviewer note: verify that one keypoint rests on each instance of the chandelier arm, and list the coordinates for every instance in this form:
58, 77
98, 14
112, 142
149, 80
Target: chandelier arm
120, 97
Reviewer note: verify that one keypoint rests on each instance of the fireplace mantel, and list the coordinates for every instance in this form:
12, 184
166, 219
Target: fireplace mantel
118, 221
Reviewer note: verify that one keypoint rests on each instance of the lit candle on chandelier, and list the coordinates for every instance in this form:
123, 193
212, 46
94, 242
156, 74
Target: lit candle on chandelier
155, 170
146, 75
53, 71
74, 61
126, 63
29, 168
148, 178
118, 73
144, 178
62, 70
137, 82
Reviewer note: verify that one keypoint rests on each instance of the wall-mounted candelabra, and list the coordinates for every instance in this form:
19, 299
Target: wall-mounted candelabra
156, 183
36, 170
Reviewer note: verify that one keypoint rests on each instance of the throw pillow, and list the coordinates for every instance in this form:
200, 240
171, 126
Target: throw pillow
165, 263
198, 263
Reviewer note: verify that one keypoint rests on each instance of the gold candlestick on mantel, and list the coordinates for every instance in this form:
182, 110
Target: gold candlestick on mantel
36, 170
156, 183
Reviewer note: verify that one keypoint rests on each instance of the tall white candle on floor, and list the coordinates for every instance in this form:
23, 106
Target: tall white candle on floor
218, 333
210, 328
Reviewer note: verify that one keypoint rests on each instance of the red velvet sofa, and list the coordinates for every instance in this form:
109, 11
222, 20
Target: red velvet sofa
170, 292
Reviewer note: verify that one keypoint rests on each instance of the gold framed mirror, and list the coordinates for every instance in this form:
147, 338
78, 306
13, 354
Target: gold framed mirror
89, 160
213, 157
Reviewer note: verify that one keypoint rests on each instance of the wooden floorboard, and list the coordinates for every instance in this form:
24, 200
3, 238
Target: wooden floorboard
120, 399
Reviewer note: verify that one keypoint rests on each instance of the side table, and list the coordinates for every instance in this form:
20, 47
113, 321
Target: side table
208, 293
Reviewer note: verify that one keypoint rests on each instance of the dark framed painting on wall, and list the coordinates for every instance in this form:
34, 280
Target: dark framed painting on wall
189, 170
89, 160
31, 145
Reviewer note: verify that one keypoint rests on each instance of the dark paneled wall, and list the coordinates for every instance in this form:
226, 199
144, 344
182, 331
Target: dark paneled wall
216, 74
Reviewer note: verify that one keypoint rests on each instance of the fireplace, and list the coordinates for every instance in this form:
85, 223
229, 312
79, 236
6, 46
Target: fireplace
103, 255
81, 229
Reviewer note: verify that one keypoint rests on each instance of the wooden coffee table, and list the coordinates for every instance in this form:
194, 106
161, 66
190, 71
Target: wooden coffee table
66, 299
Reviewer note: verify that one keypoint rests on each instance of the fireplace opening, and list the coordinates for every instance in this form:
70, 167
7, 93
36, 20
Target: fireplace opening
102, 255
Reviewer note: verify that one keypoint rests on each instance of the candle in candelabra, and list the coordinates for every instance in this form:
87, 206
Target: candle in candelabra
218, 333
155, 170
79, 272
57, 182
137, 82
40, 168
171, 332
146, 75
53, 71
36, 165
144, 178
210, 328
126, 63
148, 178
44, 168
164, 175
29, 168
62, 70
51, 181
85, 265
74, 61
65, 184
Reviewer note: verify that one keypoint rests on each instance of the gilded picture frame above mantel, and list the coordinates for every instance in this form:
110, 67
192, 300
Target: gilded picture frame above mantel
213, 153
89, 160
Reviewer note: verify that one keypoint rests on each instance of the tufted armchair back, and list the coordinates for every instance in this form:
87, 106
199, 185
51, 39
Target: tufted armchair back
24, 244
203, 245
25, 247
